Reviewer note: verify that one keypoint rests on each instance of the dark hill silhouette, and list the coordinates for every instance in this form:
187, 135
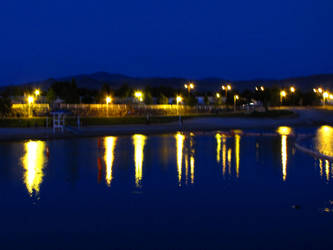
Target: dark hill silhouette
96, 80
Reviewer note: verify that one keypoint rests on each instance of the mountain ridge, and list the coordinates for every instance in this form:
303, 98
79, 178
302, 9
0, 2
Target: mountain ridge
97, 79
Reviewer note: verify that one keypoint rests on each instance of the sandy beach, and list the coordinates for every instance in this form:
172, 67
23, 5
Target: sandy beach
305, 117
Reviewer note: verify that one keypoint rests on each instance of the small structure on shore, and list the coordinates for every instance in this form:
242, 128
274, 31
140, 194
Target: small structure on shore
59, 120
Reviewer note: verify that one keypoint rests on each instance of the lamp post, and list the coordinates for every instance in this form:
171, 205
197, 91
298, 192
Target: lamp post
189, 86
292, 91
283, 94
325, 96
236, 97
139, 96
226, 88
179, 99
108, 100
30, 102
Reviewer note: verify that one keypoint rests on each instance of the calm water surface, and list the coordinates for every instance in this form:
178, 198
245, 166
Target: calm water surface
190, 190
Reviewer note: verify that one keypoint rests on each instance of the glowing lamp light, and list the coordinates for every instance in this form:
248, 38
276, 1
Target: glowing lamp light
138, 95
236, 97
228, 87
320, 90
292, 89
30, 100
314, 90
325, 95
218, 95
108, 99
283, 93
179, 99
37, 92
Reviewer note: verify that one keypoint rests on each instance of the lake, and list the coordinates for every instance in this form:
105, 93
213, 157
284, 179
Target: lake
209, 190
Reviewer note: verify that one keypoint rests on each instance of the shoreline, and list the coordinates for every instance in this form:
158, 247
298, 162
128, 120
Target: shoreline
193, 124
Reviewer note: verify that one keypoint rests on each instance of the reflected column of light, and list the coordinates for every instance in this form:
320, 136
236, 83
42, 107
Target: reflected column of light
139, 144
109, 145
323, 140
327, 170
224, 154
33, 162
192, 168
321, 168
237, 151
229, 160
218, 147
192, 158
284, 156
179, 145
186, 168
284, 132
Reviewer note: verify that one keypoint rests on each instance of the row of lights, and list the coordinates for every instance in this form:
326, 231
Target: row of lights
31, 98
325, 94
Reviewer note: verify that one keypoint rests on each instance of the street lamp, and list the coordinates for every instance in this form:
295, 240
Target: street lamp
236, 97
325, 96
31, 100
292, 90
179, 99
283, 94
218, 95
259, 88
108, 100
189, 86
226, 88
139, 95
320, 90
37, 92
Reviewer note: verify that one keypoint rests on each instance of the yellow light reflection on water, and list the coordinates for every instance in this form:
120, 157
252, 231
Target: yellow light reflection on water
324, 140
237, 151
179, 144
109, 144
284, 132
229, 160
321, 167
192, 159
33, 163
224, 155
139, 144
327, 170
218, 147
192, 168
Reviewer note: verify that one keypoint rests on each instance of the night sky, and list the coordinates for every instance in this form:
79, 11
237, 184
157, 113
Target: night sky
235, 39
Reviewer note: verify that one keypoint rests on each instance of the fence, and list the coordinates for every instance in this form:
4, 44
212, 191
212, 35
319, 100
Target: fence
113, 110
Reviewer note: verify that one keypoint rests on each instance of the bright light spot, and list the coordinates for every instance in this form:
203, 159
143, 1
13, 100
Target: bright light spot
108, 99
320, 90
218, 95
37, 92
283, 93
292, 89
283, 130
325, 95
179, 99
31, 99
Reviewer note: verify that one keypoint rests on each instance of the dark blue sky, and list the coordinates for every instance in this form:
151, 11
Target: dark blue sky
235, 39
